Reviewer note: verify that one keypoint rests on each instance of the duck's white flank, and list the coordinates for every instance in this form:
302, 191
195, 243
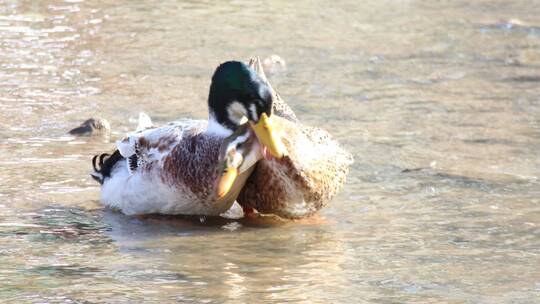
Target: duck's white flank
166, 170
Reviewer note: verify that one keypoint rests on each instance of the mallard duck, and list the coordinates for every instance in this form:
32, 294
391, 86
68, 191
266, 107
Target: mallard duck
189, 166
310, 174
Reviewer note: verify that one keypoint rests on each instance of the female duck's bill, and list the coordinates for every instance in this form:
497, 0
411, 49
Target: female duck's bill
241, 148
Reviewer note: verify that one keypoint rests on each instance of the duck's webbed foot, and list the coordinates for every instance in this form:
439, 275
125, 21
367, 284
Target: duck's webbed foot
249, 212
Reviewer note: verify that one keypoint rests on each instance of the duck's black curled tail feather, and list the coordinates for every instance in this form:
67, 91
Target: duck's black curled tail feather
103, 165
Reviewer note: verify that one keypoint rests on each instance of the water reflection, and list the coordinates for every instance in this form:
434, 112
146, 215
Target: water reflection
438, 102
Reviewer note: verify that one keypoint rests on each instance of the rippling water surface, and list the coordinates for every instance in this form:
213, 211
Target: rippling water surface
439, 101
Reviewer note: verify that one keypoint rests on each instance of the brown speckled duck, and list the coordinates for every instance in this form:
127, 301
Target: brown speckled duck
311, 173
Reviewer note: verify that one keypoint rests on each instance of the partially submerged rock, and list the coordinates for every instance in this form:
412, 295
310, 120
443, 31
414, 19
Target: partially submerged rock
92, 126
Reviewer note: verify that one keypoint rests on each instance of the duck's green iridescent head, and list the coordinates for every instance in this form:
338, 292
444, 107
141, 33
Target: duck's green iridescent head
237, 92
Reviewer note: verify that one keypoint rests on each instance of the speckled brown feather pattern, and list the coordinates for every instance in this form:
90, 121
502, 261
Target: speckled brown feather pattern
188, 165
282, 109
298, 185
192, 164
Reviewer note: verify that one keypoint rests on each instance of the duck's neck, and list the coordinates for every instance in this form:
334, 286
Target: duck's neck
214, 127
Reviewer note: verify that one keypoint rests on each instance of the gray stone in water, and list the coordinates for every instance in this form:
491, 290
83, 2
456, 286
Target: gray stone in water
92, 126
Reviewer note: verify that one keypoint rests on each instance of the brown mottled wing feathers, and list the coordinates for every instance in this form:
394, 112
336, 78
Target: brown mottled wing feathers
192, 164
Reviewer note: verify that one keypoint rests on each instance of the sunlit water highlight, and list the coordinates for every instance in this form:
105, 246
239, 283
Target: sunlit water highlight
438, 101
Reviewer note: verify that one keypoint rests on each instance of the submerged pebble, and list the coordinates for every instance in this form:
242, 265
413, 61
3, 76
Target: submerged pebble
92, 126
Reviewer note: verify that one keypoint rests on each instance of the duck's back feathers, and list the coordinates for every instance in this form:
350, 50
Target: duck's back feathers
150, 146
168, 170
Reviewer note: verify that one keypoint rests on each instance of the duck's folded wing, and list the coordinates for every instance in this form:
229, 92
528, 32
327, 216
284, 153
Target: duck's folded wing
145, 148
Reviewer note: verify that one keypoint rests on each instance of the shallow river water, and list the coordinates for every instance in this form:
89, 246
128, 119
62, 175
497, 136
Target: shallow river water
439, 102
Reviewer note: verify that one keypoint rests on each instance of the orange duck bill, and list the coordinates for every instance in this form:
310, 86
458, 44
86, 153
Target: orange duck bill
268, 138
226, 181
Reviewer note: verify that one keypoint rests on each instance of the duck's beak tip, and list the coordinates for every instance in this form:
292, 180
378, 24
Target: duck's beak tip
267, 136
226, 181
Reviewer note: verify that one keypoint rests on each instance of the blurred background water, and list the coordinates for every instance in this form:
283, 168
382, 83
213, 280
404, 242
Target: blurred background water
439, 102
